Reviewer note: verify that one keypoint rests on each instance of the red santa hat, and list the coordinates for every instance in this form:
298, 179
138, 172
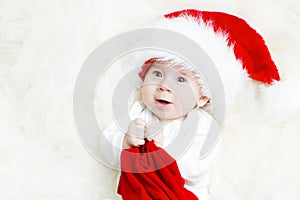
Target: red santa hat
247, 46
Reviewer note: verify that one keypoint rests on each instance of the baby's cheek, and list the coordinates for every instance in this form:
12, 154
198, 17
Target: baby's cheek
188, 101
186, 95
144, 93
147, 93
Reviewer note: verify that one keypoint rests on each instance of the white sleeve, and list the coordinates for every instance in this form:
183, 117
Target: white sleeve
111, 142
111, 139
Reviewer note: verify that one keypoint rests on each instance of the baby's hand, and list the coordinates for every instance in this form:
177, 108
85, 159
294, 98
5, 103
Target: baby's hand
154, 132
135, 135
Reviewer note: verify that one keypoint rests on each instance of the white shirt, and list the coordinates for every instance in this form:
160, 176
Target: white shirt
194, 170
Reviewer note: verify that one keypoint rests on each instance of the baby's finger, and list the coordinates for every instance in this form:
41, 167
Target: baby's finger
139, 121
159, 139
136, 131
152, 130
137, 142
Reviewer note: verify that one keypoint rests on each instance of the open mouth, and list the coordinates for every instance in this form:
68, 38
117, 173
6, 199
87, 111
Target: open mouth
163, 102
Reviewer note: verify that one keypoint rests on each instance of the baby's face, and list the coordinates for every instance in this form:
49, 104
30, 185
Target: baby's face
169, 93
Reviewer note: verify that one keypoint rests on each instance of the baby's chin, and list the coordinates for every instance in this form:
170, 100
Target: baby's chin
169, 117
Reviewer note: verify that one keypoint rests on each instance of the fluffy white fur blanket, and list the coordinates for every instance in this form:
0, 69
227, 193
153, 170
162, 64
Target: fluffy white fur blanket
43, 44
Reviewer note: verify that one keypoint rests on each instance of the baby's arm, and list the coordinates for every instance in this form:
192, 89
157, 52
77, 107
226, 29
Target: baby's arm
154, 132
195, 169
113, 140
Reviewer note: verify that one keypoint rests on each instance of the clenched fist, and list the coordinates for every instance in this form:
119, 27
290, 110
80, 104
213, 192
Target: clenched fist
154, 132
139, 131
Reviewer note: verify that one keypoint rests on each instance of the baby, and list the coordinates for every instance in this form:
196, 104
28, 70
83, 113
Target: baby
171, 91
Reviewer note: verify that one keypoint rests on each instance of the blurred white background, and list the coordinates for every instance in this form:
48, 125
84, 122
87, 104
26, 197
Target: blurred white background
43, 44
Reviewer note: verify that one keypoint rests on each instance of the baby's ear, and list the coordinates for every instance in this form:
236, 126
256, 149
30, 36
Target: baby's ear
202, 101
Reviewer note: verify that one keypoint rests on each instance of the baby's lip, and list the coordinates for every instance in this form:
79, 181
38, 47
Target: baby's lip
163, 101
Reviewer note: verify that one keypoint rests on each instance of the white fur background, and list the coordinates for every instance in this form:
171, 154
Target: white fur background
43, 44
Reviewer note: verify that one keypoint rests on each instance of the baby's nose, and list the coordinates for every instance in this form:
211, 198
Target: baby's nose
163, 88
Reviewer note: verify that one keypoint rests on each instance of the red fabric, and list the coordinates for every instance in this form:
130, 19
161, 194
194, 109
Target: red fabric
249, 46
145, 68
149, 172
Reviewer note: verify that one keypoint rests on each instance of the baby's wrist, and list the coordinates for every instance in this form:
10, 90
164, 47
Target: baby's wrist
126, 143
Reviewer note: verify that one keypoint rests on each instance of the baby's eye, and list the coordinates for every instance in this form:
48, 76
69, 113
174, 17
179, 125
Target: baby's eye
157, 73
181, 79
